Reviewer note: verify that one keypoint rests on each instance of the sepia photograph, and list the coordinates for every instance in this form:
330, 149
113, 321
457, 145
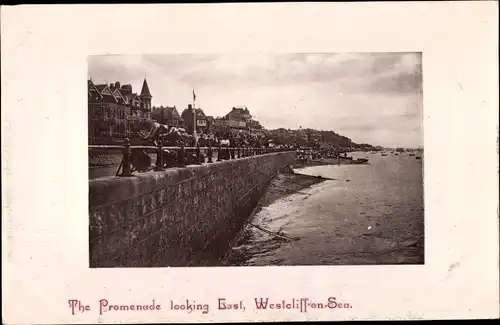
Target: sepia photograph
255, 159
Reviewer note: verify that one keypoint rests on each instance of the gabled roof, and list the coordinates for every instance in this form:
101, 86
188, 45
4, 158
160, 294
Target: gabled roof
174, 113
199, 113
166, 112
106, 93
136, 97
100, 88
239, 113
93, 90
121, 99
145, 89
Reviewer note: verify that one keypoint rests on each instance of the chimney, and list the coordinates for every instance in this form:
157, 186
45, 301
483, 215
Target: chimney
111, 86
117, 85
190, 106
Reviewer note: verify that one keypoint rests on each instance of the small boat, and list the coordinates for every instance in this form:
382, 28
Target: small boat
384, 154
418, 157
362, 160
412, 154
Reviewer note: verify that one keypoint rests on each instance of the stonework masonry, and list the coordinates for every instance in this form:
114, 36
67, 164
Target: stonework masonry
176, 217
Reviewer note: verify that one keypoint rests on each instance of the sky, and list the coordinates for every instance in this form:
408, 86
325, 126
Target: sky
373, 98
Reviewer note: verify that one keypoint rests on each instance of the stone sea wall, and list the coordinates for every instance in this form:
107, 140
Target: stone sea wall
176, 217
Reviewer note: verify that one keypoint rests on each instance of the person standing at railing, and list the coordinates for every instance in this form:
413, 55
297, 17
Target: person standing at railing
140, 160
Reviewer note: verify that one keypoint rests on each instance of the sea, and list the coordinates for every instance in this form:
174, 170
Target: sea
362, 215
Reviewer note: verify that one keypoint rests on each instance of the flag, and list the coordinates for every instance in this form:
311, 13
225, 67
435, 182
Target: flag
194, 96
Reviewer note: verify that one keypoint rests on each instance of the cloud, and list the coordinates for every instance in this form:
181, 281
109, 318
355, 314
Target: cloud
373, 96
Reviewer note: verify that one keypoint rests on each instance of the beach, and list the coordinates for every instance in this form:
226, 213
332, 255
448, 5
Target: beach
355, 214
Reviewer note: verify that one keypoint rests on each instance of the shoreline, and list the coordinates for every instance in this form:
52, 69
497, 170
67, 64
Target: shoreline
328, 161
283, 185
373, 234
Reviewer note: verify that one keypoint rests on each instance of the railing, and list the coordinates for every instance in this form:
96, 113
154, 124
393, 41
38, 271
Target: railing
136, 158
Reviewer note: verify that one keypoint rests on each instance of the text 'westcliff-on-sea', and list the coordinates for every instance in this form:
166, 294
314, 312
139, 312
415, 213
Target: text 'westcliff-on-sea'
303, 305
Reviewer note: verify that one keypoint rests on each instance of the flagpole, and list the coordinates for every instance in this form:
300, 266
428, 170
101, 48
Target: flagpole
194, 118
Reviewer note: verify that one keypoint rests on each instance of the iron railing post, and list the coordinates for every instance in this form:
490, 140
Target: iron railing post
210, 153
182, 160
198, 154
219, 151
126, 159
159, 157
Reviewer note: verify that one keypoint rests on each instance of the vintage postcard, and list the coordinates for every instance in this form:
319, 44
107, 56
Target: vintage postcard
250, 162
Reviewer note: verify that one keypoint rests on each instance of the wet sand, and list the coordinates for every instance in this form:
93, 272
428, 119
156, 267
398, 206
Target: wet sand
284, 185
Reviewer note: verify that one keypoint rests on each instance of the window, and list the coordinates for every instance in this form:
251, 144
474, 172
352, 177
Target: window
96, 110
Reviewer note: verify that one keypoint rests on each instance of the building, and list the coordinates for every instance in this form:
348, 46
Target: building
239, 113
107, 114
210, 124
254, 125
202, 125
114, 111
221, 122
168, 116
238, 118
